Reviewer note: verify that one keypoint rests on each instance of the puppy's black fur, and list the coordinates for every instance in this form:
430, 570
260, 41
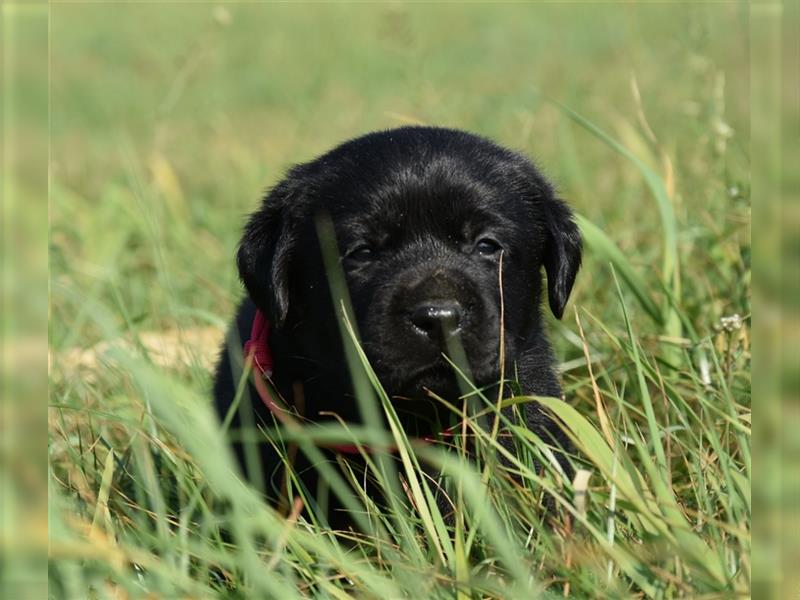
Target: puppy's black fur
423, 219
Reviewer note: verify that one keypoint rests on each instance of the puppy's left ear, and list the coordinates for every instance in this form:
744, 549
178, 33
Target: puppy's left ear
562, 253
266, 248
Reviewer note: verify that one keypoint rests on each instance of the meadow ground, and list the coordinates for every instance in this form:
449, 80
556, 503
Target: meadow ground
167, 123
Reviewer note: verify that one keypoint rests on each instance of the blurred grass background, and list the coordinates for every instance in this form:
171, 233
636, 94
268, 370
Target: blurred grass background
168, 121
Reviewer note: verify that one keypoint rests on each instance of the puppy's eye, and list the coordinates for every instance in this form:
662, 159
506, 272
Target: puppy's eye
487, 247
360, 253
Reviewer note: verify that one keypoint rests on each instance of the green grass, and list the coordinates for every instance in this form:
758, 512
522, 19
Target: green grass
168, 123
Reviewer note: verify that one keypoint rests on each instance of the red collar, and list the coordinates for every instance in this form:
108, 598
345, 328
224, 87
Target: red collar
258, 351
258, 345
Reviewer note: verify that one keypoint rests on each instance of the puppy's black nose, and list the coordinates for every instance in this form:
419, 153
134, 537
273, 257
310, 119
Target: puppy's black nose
437, 319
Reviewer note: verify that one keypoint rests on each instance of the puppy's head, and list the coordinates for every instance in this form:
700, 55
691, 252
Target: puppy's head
441, 235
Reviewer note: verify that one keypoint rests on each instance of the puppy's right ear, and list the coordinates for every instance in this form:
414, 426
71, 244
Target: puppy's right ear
562, 253
266, 248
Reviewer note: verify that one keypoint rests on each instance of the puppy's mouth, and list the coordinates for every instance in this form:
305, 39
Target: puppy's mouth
422, 386
428, 391
434, 373
445, 380
437, 378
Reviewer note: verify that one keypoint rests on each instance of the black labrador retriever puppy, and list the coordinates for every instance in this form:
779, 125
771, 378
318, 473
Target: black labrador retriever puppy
425, 219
